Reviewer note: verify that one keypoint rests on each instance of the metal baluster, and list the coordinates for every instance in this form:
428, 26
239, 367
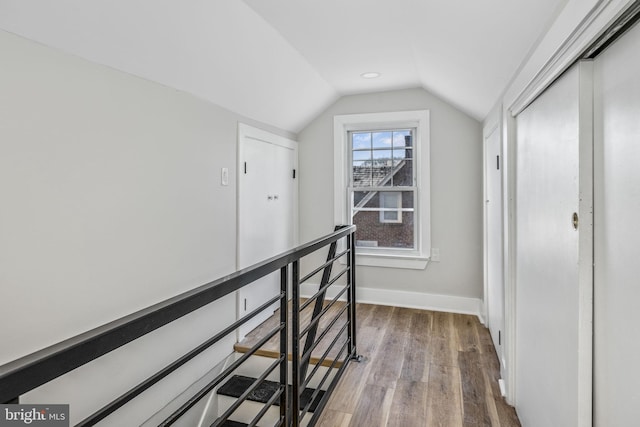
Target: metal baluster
317, 308
350, 330
295, 345
284, 369
351, 243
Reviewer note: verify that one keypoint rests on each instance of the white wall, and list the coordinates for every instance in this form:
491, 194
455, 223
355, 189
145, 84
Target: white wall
111, 201
456, 194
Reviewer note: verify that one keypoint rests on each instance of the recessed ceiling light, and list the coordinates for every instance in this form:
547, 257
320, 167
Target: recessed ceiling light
370, 75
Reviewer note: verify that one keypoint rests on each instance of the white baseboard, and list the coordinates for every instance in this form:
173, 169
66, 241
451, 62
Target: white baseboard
482, 319
435, 302
483, 315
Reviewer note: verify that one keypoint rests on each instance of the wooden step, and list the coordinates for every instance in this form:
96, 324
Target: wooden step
272, 347
238, 384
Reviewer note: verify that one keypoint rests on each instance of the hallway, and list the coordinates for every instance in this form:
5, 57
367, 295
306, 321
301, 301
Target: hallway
420, 368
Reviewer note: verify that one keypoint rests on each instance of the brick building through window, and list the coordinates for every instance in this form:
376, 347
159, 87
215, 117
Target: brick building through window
383, 193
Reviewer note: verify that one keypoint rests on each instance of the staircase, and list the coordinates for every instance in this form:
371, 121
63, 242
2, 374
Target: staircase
320, 373
312, 342
282, 374
228, 394
263, 402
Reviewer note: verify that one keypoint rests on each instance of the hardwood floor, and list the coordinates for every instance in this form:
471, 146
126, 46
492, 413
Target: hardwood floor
420, 368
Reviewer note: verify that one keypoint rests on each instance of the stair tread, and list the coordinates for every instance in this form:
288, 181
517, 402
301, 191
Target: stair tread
272, 347
237, 385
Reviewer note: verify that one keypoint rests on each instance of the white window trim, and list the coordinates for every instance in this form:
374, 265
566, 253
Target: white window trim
418, 119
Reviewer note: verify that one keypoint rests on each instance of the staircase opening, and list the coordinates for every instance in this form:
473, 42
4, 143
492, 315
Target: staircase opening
281, 374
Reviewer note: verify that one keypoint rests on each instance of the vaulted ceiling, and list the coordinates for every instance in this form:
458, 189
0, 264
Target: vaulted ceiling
284, 61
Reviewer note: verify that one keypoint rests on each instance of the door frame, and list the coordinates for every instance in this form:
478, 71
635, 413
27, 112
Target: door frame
487, 132
585, 244
246, 131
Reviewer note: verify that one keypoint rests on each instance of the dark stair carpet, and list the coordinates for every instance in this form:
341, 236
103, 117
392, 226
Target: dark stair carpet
238, 384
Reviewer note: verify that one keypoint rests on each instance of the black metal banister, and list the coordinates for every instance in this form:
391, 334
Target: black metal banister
295, 346
40, 367
323, 357
284, 346
218, 379
332, 386
321, 383
323, 266
351, 296
306, 357
243, 397
282, 391
350, 343
324, 288
149, 382
326, 275
314, 321
350, 324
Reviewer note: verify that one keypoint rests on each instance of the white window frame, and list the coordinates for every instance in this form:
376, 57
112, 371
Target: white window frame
418, 119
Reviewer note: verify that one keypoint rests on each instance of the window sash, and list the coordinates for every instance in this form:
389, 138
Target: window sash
390, 187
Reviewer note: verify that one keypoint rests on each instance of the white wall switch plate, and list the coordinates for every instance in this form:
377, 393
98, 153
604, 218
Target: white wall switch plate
435, 254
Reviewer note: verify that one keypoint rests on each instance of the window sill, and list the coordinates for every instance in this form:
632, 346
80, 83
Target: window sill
392, 261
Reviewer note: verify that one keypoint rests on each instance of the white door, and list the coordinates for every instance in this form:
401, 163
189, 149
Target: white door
266, 212
617, 233
493, 236
554, 277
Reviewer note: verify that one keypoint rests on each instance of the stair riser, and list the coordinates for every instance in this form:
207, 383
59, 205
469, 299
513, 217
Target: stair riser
248, 410
256, 365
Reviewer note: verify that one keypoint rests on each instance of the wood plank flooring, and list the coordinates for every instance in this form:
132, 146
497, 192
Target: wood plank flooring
420, 368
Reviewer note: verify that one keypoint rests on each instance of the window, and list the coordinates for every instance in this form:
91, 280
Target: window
382, 176
382, 186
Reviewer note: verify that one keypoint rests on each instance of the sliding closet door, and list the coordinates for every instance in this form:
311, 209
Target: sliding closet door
554, 278
617, 233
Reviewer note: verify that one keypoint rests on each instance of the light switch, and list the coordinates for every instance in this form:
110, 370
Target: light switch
435, 254
224, 178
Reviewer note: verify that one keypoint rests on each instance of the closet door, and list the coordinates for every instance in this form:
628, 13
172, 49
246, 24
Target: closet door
617, 233
554, 279
266, 214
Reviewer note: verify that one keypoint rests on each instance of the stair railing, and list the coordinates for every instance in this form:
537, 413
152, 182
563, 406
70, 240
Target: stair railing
321, 309
29, 372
